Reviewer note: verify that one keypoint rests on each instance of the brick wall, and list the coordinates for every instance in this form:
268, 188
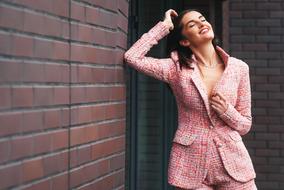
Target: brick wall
62, 94
257, 36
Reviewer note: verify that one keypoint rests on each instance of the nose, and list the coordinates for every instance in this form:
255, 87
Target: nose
200, 24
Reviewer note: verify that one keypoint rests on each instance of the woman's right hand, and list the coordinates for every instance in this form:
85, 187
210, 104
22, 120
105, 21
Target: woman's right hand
167, 17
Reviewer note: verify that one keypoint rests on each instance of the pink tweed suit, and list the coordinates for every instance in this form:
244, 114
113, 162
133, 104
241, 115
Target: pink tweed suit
207, 148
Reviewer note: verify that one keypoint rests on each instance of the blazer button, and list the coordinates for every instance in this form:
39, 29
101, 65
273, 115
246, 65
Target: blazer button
219, 145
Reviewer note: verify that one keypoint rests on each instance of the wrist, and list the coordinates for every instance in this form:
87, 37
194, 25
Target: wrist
168, 23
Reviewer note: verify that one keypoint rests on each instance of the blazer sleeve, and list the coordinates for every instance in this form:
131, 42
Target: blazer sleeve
154, 67
239, 116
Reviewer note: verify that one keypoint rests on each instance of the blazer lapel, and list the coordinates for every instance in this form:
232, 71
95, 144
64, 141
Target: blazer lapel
198, 82
196, 79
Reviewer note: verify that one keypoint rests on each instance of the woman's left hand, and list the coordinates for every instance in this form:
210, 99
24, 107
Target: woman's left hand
218, 103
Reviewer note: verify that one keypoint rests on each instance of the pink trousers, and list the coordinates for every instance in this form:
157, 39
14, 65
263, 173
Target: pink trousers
217, 178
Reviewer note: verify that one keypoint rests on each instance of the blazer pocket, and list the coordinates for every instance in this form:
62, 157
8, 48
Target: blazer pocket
184, 139
235, 136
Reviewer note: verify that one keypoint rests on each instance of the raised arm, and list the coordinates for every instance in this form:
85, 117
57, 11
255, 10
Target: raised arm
239, 117
154, 67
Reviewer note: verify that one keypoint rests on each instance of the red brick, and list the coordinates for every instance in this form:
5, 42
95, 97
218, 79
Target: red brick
123, 7
10, 176
43, 48
33, 72
59, 139
85, 33
117, 162
61, 51
11, 123
42, 143
84, 155
52, 119
32, 169
96, 16
61, 95
78, 94
42, 185
5, 150
22, 97
106, 38
5, 44
32, 121
60, 182
21, 147
55, 163
121, 40
5, 97
11, 71
61, 7
22, 46
65, 117
36, 77
107, 4
55, 73
11, 18
255, 47
85, 174
34, 22
77, 136
46, 6
83, 53
77, 11
43, 96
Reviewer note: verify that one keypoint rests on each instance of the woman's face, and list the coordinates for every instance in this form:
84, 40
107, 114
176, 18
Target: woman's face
196, 29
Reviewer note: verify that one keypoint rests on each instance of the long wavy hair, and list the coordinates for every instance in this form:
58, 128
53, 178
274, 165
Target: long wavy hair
175, 35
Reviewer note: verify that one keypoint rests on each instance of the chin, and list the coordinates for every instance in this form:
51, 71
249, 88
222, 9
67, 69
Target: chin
206, 40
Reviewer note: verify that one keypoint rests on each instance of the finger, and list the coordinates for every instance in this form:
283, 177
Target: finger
172, 14
221, 107
221, 96
216, 102
175, 13
216, 108
215, 95
216, 99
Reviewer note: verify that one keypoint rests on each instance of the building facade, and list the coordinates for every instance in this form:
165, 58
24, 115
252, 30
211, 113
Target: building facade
74, 116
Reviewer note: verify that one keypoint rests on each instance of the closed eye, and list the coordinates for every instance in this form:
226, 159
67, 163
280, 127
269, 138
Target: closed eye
202, 20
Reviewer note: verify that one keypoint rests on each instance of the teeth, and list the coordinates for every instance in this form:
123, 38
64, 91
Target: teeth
204, 30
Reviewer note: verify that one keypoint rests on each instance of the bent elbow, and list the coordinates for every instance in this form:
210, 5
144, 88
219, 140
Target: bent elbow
129, 56
126, 56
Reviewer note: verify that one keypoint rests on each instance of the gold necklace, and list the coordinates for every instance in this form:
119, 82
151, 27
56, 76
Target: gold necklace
200, 70
212, 66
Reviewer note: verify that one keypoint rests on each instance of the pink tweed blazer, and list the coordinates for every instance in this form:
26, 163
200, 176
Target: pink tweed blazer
197, 121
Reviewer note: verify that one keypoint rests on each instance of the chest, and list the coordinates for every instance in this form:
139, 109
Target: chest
190, 88
210, 77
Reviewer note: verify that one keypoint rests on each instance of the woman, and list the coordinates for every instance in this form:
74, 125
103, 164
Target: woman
213, 95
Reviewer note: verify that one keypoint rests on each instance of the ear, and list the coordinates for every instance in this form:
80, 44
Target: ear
184, 43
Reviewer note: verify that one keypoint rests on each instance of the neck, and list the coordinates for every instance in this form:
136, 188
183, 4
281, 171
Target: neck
204, 53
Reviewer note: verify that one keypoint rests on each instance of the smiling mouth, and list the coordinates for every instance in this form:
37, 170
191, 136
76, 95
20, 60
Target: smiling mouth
203, 31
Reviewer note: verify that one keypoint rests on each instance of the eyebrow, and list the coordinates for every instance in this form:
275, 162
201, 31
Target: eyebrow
193, 20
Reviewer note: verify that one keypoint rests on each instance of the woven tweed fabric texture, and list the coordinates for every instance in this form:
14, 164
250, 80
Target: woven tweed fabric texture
197, 121
217, 176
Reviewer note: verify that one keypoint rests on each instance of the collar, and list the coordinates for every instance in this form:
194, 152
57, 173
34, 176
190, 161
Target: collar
224, 55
